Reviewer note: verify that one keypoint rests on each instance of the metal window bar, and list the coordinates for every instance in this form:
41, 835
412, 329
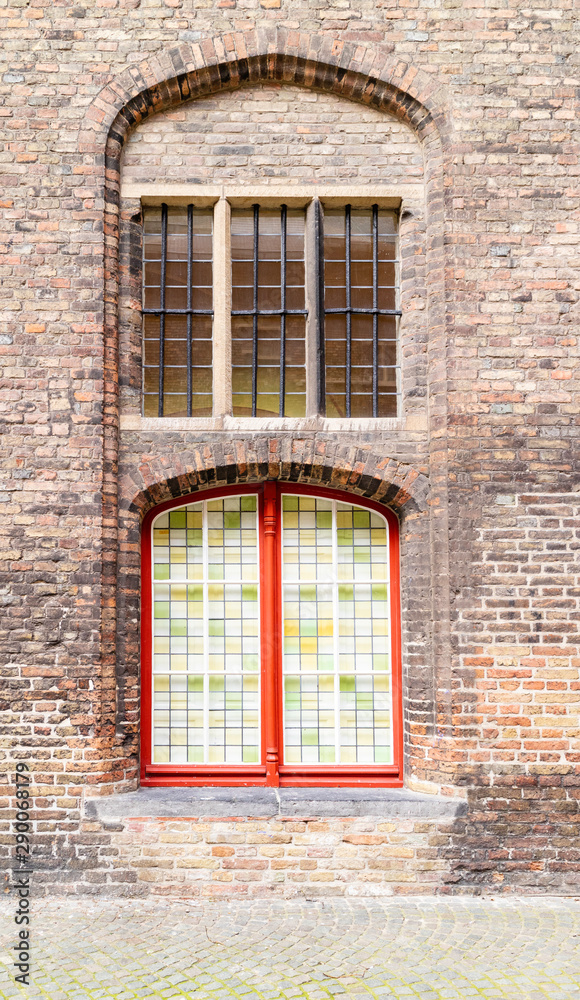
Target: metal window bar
319, 300
189, 311
351, 310
283, 312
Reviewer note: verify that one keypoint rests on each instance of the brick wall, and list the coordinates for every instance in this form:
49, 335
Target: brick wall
490, 541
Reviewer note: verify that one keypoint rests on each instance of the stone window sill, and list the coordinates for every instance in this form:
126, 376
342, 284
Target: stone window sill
271, 803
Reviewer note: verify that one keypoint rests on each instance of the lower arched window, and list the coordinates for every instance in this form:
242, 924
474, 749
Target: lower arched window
270, 639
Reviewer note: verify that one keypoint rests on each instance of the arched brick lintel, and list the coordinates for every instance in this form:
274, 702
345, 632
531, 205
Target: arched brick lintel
361, 472
371, 75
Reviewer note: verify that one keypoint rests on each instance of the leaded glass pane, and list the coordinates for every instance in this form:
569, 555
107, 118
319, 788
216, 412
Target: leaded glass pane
206, 691
336, 643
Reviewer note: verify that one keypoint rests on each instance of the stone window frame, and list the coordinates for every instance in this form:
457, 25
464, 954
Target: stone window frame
271, 771
406, 199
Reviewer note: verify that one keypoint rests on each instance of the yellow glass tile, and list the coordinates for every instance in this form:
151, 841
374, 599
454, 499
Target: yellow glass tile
161, 755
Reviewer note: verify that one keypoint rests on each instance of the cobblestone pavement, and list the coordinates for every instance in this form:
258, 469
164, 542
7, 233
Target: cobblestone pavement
421, 947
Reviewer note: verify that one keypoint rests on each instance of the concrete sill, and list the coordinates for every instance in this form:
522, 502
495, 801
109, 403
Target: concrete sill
272, 803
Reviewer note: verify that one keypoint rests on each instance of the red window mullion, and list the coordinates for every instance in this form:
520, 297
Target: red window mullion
270, 642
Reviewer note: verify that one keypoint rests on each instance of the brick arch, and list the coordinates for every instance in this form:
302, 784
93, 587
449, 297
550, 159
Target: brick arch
359, 470
373, 76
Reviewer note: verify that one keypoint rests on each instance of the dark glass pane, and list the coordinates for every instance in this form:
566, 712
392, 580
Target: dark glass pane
175, 375
242, 297
295, 380
387, 327
175, 352
295, 352
174, 405
363, 250
151, 326
241, 328
335, 298
334, 273
268, 352
361, 273
361, 379
175, 327
152, 273
361, 406
387, 379
241, 380
386, 273
202, 274
201, 327
387, 298
268, 381
362, 352
335, 354
242, 273
335, 404
387, 354
174, 379
269, 297
176, 298
362, 327
201, 405
151, 405
151, 380
295, 273
295, 405
202, 380
269, 273
151, 352
177, 247
152, 298
361, 298
387, 405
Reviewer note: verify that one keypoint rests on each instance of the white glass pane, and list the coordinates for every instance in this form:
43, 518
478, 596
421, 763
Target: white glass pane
336, 641
206, 703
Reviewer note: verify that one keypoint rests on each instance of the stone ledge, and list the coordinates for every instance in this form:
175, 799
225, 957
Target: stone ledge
270, 803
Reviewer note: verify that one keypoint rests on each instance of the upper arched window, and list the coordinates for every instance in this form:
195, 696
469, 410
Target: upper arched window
271, 639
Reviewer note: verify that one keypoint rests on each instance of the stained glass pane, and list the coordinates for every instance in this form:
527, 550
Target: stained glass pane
336, 643
206, 633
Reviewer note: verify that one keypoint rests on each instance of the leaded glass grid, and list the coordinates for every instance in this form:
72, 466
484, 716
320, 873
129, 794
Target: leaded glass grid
206, 612
336, 642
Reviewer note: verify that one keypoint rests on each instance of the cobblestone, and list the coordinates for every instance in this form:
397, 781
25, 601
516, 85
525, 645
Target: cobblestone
449, 949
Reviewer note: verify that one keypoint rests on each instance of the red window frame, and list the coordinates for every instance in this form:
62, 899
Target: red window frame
272, 771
